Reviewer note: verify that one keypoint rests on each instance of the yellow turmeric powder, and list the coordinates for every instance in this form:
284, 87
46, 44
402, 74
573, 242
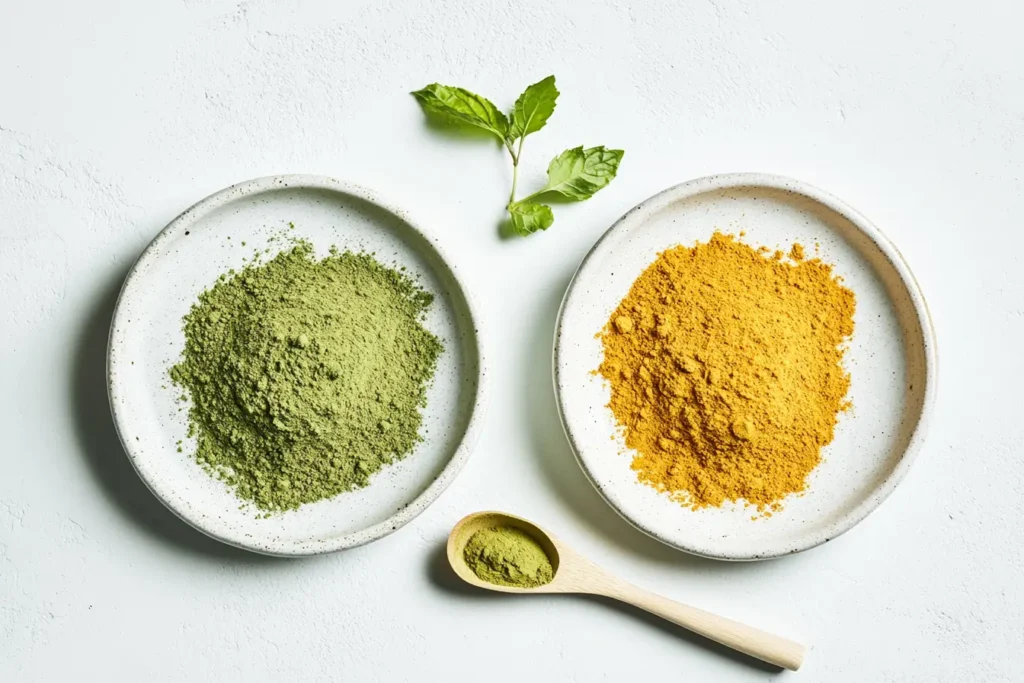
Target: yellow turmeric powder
724, 365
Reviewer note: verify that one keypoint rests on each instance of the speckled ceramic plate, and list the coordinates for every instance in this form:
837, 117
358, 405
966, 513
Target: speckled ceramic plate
146, 338
891, 359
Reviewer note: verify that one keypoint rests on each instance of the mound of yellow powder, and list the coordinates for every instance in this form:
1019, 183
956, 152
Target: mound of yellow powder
725, 373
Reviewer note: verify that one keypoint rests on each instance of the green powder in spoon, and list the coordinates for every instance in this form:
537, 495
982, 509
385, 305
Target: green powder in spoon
507, 556
306, 376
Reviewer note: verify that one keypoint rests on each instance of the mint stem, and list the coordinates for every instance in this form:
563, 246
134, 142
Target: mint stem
515, 169
515, 179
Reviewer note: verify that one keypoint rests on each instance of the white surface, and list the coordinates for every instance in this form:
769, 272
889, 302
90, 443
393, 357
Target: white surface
116, 116
891, 360
222, 232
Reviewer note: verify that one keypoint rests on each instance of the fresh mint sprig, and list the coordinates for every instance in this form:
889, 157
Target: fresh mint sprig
575, 174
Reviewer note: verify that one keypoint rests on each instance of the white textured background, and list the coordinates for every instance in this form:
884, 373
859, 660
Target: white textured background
114, 116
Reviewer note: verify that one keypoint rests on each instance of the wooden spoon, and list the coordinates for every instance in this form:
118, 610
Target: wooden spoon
576, 574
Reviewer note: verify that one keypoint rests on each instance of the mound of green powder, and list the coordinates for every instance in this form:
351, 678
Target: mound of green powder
306, 377
507, 556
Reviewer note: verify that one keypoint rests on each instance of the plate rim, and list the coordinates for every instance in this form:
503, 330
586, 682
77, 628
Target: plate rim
470, 435
656, 202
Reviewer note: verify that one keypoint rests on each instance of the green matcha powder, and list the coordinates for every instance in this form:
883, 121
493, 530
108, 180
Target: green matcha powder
306, 377
508, 556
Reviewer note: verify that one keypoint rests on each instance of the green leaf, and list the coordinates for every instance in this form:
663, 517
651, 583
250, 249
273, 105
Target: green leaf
528, 218
464, 106
533, 108
578, 173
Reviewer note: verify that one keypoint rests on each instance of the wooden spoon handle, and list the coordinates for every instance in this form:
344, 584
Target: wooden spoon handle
747, 639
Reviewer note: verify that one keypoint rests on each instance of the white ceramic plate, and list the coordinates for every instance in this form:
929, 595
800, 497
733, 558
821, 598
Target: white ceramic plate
891, 359
146, 339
